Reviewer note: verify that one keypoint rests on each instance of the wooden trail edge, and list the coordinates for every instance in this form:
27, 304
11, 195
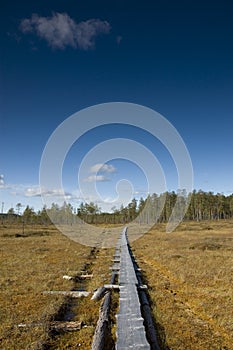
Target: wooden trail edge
71, 294
103, 327
145, 307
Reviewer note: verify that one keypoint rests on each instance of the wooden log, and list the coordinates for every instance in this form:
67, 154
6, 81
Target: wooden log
56, 325
99, 293
112, 286
84, 277
102, 328
66, 326
66, 277
78, 277
72, 294
29, 325
102, 331
142, 286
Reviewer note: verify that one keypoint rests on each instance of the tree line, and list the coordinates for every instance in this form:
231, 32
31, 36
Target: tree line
202, 206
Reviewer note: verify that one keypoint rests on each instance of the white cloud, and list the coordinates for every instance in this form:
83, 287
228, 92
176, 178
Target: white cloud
96, 178
36, 191
60, 30
32, 192
103, 168
2, 183
141, 192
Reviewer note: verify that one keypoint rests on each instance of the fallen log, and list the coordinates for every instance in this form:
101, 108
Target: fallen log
66, 277
28, 325
66, 326
102, 327
72, 294
78, 277
103, 330
112, 286
99, 293
84, 277
56, 325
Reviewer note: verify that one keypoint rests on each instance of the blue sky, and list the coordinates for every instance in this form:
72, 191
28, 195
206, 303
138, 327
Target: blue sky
59, 57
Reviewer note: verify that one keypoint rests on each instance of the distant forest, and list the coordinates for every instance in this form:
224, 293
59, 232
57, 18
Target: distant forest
202, 206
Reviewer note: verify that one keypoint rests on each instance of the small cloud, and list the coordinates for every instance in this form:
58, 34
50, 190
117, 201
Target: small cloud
32, 192
14, 188
2, 183
37, 191
103, 168
96, 178
60, 30
141, 192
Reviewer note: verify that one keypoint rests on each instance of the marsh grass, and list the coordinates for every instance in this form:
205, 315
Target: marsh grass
35, 261
190, 277
189, 274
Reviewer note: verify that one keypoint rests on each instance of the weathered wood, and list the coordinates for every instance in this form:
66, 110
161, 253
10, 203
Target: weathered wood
56, 325
112, 286
29, 325
78, 277
130, 328
102, 328
142, 286
84, 277
66, 277
99, 293
72, 294
133, 305
66, 326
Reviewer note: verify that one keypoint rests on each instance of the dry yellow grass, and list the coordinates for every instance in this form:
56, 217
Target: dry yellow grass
190, 278
189, 274
87, 310
33, 263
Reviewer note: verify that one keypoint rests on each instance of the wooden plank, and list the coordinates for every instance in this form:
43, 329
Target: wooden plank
131, 332
99, 293
130, 327
72, 294
70, 326
112, 286
84, 277
56, 325
102, 328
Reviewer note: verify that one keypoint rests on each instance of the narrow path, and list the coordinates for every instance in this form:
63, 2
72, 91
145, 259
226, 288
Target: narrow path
131, 326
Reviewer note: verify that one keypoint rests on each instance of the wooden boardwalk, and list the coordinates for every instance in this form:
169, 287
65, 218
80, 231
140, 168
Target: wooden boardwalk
134, 331
131, 333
